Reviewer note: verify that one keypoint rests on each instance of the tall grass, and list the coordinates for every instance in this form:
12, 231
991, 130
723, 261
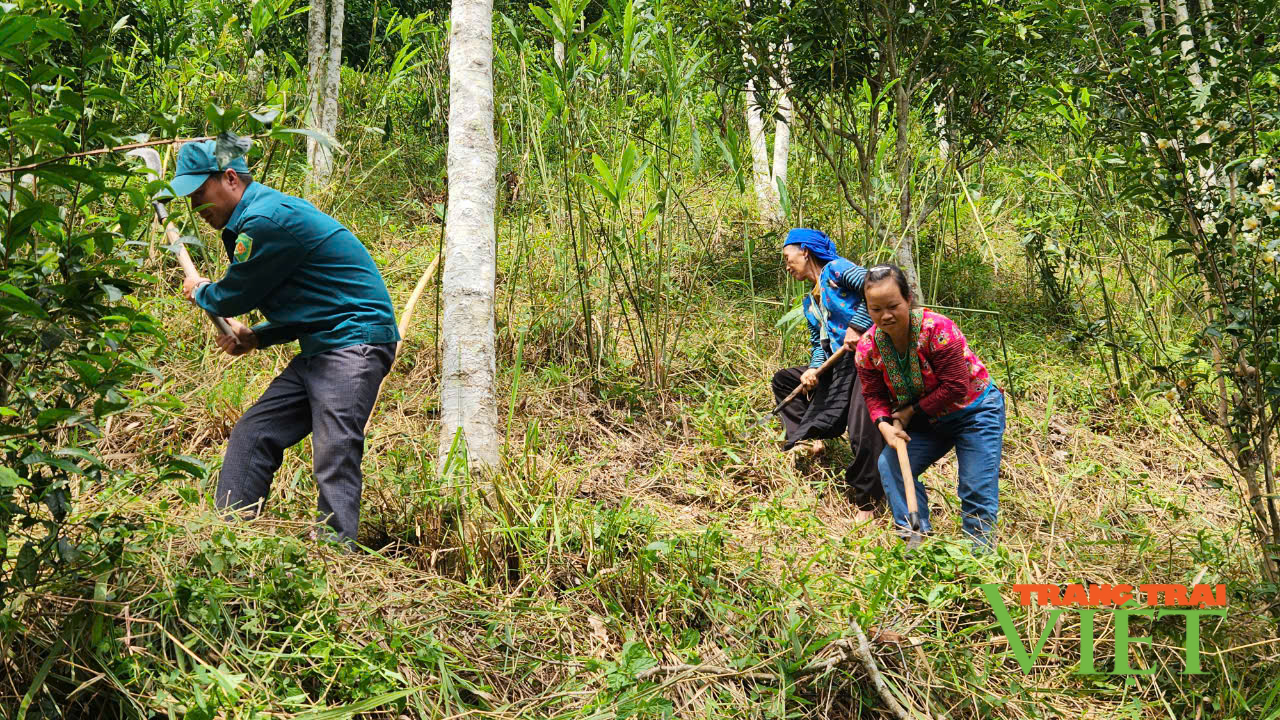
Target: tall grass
642, 520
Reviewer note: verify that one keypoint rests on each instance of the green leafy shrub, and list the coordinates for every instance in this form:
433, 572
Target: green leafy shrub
963, 279
70, 346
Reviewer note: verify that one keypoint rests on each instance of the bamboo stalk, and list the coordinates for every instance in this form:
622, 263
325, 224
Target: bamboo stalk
405, 317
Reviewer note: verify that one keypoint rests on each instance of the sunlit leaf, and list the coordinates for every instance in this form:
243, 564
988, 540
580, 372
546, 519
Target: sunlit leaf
230, 146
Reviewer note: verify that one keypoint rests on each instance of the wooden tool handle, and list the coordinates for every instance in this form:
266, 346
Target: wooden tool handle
835, 357
904, 466
172, 237
189, 271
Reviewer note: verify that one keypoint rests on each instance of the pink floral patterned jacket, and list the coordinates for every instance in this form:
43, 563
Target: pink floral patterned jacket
938, 371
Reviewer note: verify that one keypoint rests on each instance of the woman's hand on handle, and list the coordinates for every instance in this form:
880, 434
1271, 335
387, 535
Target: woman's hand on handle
894, 434
190, 284
809, 380
851, 338
904, 415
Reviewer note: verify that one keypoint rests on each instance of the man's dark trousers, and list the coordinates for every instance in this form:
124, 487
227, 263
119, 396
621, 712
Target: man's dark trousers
329, 394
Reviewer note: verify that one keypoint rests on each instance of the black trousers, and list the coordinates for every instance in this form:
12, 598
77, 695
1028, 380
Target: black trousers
826, 414
330, 394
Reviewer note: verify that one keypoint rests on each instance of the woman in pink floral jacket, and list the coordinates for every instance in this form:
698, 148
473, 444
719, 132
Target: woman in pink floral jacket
917, 367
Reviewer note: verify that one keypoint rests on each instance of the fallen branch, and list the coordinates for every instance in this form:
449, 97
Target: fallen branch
858, 647
707, 671
103, 151
863, 651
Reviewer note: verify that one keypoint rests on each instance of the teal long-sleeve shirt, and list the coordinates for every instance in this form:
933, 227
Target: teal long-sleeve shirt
307, 273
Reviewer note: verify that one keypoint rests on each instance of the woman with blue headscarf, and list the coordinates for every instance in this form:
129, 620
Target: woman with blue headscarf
836, 311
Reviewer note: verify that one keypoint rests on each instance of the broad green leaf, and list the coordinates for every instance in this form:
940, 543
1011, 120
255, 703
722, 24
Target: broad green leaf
601, 188
11, 479
230, 146
602, 168
15, 29
57, 27
53, 415
322, 138
79, 454
266, 117
791, 317
346, 712
28, 564
546, 19
19, 302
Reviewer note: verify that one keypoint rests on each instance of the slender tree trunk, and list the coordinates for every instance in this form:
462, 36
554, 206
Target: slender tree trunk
906, 251
762, 175
782, 127
781, 138
1148, 17
317, 52
1206, 11
333, 70
468, 401
1149, 23
1187, 47
1187, 43
324, 57
944, 145
906, 254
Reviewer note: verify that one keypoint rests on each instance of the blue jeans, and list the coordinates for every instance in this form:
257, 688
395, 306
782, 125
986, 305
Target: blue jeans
977, 434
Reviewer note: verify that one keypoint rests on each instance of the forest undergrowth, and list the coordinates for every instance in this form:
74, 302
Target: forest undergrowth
640, 553
1089, 189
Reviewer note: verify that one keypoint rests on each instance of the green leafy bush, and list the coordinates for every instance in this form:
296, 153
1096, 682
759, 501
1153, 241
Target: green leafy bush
70, 345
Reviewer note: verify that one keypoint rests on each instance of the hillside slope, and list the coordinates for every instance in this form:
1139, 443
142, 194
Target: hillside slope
641, 553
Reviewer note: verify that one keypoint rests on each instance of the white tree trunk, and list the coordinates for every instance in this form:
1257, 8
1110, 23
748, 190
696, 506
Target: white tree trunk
333, 70
906, 252
781, 141
1148, 18
468, 400
324, 56
761, 173
1206, 10
1187, 47
317, 50
1188, 44
1149, 23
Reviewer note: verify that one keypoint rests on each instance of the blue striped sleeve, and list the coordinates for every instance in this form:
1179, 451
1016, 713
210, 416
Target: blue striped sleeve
860, 319
852, 280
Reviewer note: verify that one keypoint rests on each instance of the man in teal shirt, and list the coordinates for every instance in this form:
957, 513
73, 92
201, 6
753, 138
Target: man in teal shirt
315, 283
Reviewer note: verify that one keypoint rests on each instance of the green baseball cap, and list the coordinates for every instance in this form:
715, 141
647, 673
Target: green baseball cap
196, 162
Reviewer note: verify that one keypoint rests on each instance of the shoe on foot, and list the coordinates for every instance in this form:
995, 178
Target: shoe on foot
807, 449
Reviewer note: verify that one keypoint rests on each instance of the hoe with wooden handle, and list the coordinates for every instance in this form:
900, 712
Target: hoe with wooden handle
171, 236
909, 487
835, 357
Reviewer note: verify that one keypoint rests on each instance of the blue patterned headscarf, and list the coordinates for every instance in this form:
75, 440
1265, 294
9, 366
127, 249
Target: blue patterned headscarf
815, 241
